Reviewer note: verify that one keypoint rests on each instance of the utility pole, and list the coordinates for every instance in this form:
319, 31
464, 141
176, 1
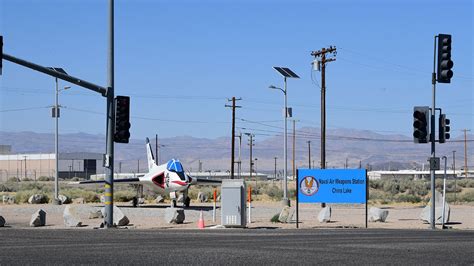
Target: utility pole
251, 145
275, 172
239, 163
233, 133
309, 154
347, 163
138, 166
465, 152
320, 61
24, 157
156, 147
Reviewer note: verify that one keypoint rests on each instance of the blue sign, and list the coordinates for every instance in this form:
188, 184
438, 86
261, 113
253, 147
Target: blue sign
332, 185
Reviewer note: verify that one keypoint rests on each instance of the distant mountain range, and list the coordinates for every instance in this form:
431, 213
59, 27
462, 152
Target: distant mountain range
362, 147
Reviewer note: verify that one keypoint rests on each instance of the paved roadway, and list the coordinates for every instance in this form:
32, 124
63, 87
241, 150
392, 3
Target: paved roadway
235, 246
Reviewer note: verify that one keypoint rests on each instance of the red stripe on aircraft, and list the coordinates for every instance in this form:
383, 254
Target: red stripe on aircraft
181, 183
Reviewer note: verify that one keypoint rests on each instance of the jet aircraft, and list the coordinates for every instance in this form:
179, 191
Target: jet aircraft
169, 178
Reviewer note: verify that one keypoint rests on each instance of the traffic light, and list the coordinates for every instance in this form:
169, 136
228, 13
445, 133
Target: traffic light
122, 119
443, 128
444, 59
421, 127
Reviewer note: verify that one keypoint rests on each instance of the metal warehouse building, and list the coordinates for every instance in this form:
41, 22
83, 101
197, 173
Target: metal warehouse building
33, 166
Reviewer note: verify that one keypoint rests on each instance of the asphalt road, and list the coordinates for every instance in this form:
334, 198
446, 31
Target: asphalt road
235, 246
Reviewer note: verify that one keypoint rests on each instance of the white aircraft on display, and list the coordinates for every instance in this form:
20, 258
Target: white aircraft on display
168, 178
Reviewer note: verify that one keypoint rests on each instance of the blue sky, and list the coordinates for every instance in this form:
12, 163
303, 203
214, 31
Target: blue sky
180, 61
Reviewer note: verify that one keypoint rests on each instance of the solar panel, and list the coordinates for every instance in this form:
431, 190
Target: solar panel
286, 72
292, 74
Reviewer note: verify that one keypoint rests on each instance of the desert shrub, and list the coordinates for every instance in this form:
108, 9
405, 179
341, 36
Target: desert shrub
192, 193
13, 179
376, 184
45, 178
391, 186
408, 198
273, 192
24, 195
404, 185
32, 186
6, 187
420, 188
467, 197
470, 183
377, 195
87, 195
90, 196
123, 196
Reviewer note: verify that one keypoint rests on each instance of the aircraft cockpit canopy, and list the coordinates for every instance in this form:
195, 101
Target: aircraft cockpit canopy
174, 165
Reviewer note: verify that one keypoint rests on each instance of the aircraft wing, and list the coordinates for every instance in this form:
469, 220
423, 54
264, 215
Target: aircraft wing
124, 180
207, 181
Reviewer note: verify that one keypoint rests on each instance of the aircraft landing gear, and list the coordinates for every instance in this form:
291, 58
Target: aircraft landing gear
135, 202
186, 199
187, 202
173, 199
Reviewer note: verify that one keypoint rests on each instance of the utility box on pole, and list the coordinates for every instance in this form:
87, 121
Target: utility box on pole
233, 212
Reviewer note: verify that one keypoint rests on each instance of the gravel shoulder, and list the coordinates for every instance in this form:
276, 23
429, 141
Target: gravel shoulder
151, 216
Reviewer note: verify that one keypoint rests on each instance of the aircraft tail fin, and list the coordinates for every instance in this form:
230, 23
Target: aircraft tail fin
149, 154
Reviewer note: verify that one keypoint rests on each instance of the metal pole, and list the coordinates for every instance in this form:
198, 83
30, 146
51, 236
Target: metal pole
444, 190
109, 170
454, 176
465, 153
286, 201
294, 143
432, 139
56, 147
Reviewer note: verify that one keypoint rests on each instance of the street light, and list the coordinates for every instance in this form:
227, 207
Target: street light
56, 114
286, 73
285, 200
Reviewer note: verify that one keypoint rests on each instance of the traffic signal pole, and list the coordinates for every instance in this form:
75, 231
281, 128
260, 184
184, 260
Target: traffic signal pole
109, 165
107, 92
433, 141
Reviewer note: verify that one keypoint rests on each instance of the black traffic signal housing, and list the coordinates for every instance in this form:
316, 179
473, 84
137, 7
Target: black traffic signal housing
421, 125
443, 128
444, 73
122, 119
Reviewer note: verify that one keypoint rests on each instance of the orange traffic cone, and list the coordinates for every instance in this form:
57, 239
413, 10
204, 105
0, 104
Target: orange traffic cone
201, 221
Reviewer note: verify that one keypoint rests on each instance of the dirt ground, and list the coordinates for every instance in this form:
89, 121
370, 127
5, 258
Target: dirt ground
151, 216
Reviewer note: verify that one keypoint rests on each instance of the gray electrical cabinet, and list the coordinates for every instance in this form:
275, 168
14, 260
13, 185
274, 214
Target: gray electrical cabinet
233, 209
